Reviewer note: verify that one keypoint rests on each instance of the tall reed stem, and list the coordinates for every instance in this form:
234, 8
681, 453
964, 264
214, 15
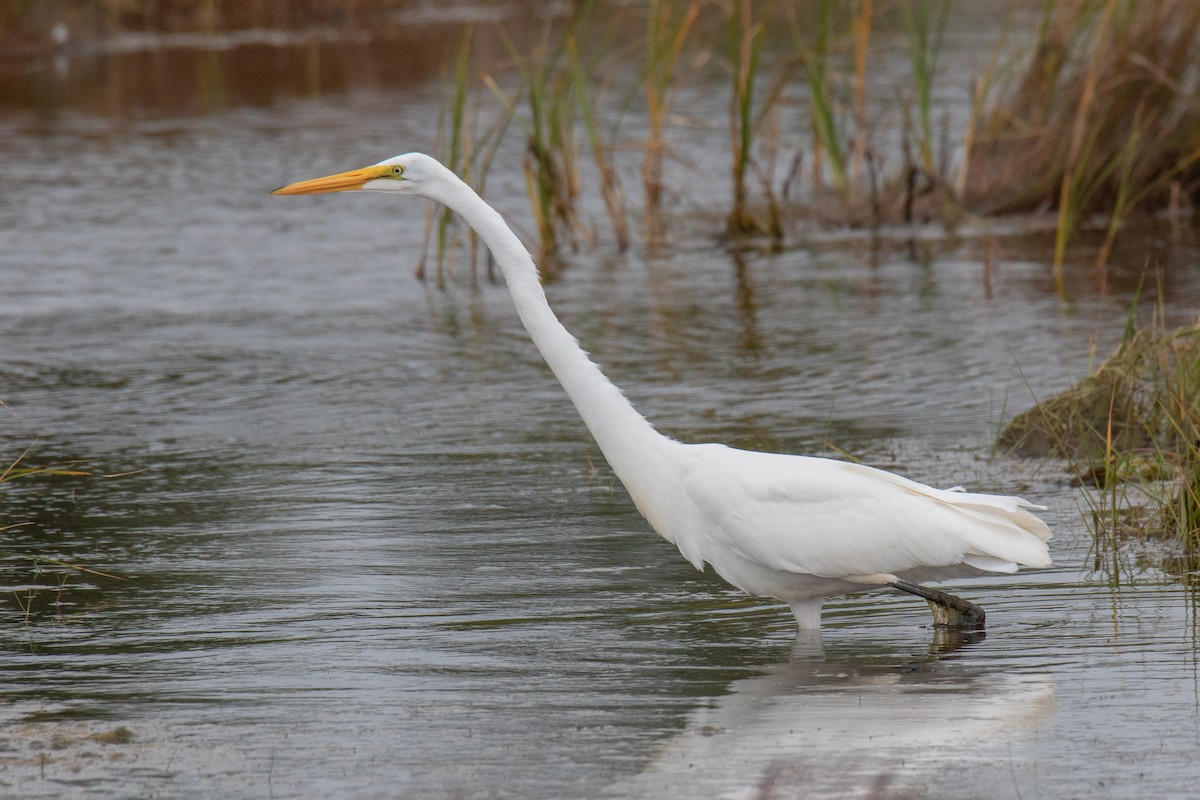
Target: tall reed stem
666, 32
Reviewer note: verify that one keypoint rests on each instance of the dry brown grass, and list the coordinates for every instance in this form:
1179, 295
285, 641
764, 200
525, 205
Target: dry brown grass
1107, 103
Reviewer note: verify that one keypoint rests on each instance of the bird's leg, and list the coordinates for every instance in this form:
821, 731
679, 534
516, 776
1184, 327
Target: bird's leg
949, 611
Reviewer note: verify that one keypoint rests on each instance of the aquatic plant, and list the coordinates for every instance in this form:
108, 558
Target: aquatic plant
925, 25
551, 170
470, 151
1130, 428
546, 93
610, 184
459, 141
745, 34
667, 28
553, 101
862, 24
1104, 119
27, 595
815, 51
1094, 122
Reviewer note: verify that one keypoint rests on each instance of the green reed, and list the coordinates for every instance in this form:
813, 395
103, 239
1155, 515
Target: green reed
925, 26
610, 184
469, 152
667, 27
815, 56
745, 33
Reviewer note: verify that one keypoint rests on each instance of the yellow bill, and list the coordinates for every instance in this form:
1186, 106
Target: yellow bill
341, 182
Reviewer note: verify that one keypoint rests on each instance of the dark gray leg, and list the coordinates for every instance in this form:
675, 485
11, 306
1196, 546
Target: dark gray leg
949, 611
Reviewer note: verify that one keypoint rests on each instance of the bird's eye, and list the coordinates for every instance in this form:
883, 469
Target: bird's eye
398, 170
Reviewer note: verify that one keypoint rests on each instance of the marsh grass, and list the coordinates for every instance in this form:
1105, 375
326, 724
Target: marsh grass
668, 25
925, 27
1097, 121
455, 159
1094, 121
610, 183
469, 150
545, 90
546, 94
1131, 432
745, 34
551, 153
1104, 119
862, 26
815, 49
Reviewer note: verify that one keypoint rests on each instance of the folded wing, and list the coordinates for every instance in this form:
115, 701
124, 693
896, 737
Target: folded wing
836, 519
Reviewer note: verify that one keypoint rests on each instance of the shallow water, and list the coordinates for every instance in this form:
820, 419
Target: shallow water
371, 551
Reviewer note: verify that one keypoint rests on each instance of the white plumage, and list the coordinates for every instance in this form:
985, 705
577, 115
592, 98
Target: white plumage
795, 528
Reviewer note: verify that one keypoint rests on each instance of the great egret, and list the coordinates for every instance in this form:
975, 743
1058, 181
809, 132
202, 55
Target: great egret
795, 528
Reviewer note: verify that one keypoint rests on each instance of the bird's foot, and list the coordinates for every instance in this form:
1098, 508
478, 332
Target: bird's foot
949, 611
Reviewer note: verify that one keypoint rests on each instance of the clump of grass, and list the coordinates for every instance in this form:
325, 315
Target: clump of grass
547, 95
862, 25
457, 158
1103, 120
1133, 423
842, 169
554, 104
551, 154
1185, 512
1146, 394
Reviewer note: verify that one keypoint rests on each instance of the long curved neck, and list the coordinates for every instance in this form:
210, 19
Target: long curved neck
624, 436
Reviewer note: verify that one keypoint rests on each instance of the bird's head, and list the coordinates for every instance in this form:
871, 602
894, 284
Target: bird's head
412, 173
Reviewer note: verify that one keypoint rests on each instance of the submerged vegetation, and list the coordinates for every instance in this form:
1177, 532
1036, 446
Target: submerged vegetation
40, 580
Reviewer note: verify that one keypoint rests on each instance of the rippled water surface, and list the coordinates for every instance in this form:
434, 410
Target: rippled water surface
370, 551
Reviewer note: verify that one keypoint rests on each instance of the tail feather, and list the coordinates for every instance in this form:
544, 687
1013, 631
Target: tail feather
1002, 534
1010, 535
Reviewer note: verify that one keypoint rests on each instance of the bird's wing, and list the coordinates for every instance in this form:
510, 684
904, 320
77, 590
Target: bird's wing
836, 519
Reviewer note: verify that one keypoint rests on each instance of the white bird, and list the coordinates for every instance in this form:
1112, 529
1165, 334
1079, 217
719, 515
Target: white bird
795, 528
